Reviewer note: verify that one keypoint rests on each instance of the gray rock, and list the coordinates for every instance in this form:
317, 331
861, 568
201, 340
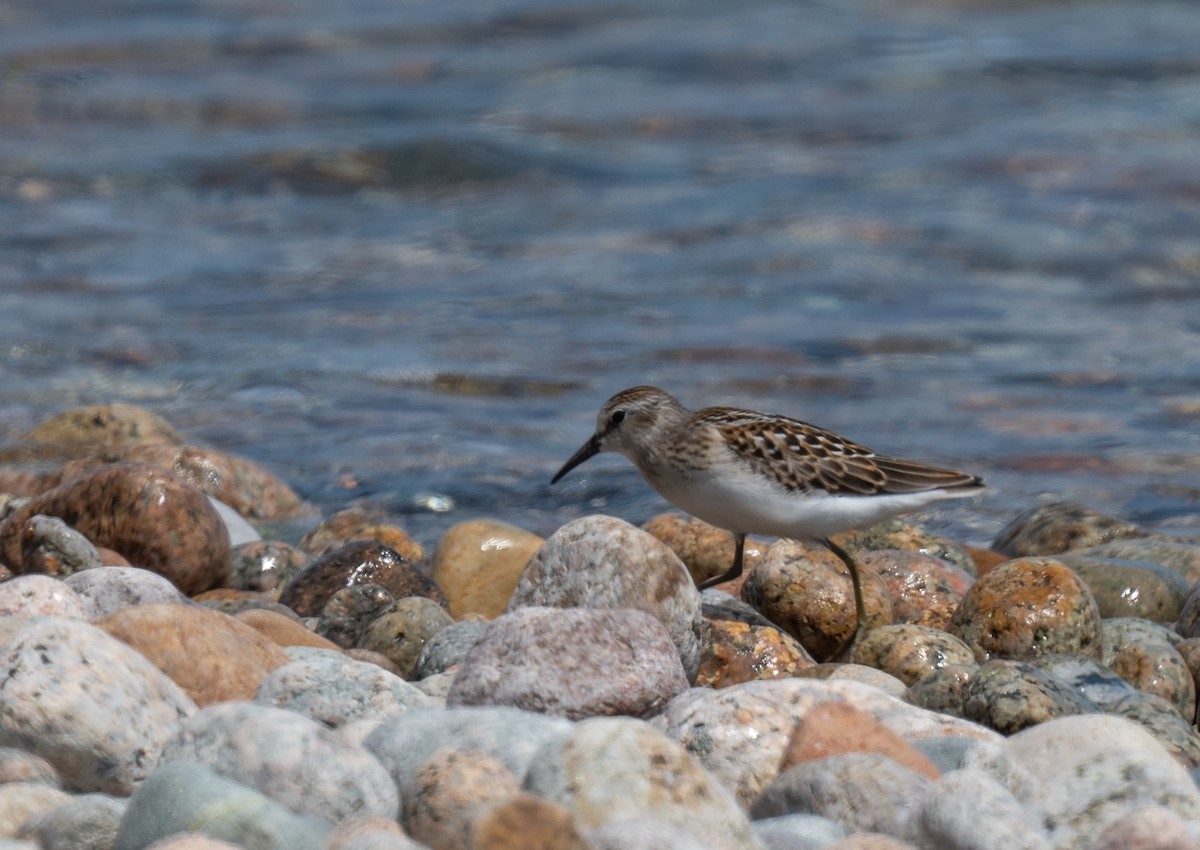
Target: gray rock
970, 810
110, 589
21, 802
573, 662
290, 758
943, 690
1010, 695
50, 545
798, 832
402, 632
448, 647
910, 652
1124, 588
643, 834
1060, 527
85, 822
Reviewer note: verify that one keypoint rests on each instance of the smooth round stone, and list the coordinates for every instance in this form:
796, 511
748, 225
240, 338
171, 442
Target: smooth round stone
456, 787
401, 633
603, 562
348, 613
370, 834
706, 551
154, 519
21, 802
362, 562
478, 562
1157, 668
1189, 651
436, 686
79, 823
833, 728
1084, 765
923, 590
1060, 527
264, 564
1177, 555
877, 679
212, 656
1026, 608
806, 591
798, 832
1120, 631
1131, 588
185, 796
35, 595
53, 708
1149, 828
282, 630
864, 792
1010, 695
448, 648
290, 758
19, 766
358, 525
643, 834
734, 651
1189, 616
739, 732
50, 546
1088, 677
942, 690
110, 589
970, 809
610, 769
910, 652
573, 662
1159, 717
109, 430
526, 822
908, 537
336, 690
990, 757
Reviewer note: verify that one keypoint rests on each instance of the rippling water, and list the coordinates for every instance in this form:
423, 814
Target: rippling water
401, 252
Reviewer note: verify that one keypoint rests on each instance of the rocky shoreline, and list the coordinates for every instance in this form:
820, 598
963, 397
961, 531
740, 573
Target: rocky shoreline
168, 679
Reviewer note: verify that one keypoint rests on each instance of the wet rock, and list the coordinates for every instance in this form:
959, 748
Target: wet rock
923, 590
864, 792
292, 759
943, 690
281, 630
526, 822
1149, 828
266, 564
1011, 695
1124, 588
335, 690
1157, 668
908, 537
52, 709
154, 519
108, 431
910, 652
1026, 608
970, 810
212, 656
706, 551
1189, 616
457, 787
806, 591
83, 822
50, 546
1060, 527
364, 562
1088, 677
609, 769
834, 728
1177, 555
1084, 765
19, 766
477, 565
21, 802
111, 589
185, 796
402, 632
355, 525
603, 562
34, 595
574, 662
1119, 631
448, 648
348, 613
734, 651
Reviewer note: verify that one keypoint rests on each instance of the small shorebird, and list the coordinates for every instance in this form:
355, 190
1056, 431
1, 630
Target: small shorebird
757, 473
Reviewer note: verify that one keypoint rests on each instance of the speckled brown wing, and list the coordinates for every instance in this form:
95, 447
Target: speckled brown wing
803, 457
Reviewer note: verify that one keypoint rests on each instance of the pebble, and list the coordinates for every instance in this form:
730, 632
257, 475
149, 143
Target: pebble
970, 810
370, 834
112, 589
798, 832
909, 537
611, 769
806, 591
400, 633
19, 766
457, 787
51, 708
572, 662
847, 672
282, 630
923, 590
643, 834
942, 690
21, 802
1060, 527
1178, 555
289, 758
266, 564
151, 517
448, 648
526, 822
186, 796
1149, 828
102, 430
734, 651
1026, 608
50, 546
1124, 588
909, 652
212, 656
362, 562
83, 822
833, 728
603, 562
359, 525
346, 614
1157, 668
1011, 695
706, 551
32, 595
334, 689
477, 564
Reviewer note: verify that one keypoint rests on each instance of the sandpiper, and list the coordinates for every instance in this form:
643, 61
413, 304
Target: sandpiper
758, 473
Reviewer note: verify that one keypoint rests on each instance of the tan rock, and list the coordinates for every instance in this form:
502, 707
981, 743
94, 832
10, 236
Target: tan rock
477, 565
706, 550
735, 652
281, 630
456, 785
833, 728
105, 430
526, 822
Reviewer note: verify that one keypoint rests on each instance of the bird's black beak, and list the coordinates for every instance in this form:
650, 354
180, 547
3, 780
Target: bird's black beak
587, 450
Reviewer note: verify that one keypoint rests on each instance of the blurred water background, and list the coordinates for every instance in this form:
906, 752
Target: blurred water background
400, 251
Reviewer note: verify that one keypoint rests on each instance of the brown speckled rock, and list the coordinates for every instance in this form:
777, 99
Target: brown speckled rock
212, 656
943, 689
910, 652
1125, 588
457, 785
281, 630
363, 562
402, 632
356, 524
1009, 696
151, 517
835, 727
806, 591
526, 822
908, 537
1027, 608
349, 612
1155, 667
1178, 555
706, 550
924, 590
736, 652
1060, 527
105, 430
477, 565
266, 564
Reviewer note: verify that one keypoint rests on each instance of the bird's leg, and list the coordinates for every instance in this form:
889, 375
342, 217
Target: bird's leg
860, 610
739, 547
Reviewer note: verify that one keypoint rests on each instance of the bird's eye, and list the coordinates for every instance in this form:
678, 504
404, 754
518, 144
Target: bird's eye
618, 416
